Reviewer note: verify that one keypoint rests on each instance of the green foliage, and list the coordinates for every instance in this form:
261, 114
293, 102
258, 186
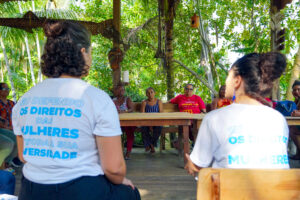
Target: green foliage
238, 26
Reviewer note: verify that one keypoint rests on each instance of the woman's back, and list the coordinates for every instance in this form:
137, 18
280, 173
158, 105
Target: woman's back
242, 136
59, 136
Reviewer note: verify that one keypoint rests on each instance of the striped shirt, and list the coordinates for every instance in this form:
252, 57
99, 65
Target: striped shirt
152, 109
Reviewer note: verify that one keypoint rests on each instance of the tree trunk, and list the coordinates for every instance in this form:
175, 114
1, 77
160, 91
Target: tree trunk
40, 77
2, 75
207, 58
169, 23
117, 24
275, 24
28, 51
8, 70
294, 75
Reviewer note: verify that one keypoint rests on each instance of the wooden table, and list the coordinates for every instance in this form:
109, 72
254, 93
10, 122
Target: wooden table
178, 119
292, 121
163, 119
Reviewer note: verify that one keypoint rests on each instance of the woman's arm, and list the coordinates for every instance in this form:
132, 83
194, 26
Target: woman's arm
129, 105
111, 156
143, 106
214, 104
190, 167
296, 113
160, 105
20, 145
203, 110
175, 100
201, 104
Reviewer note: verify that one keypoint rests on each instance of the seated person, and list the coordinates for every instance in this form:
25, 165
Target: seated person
7, 183
6, 148
295, 130
240, 135
296, 93
221, 101
188, 102
124, 105
6, 128
81, 156
270, 102
151, 105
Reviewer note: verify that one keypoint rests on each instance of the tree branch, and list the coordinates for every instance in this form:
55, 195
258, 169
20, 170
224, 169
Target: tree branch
197, 76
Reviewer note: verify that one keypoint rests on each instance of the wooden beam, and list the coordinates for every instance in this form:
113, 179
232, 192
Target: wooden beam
116, 41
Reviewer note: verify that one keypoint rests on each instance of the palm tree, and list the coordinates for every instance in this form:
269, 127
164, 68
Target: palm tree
8, 69
28, 50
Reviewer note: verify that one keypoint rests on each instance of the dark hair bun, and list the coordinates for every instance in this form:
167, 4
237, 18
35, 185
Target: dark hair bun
62, 51
53, 28
271, 65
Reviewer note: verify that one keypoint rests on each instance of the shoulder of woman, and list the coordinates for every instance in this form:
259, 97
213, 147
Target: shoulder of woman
11, 102
215, 100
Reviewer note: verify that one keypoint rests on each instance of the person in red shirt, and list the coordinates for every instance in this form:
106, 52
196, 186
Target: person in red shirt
188, 102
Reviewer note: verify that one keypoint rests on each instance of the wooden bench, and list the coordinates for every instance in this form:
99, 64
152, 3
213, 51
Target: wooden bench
248, 184
167, 107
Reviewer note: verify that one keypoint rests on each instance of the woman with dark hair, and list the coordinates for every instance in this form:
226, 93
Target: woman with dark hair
295, 130
124, 104
296, 92
68, 131
151, 105
221, 101
8, 144
245, 134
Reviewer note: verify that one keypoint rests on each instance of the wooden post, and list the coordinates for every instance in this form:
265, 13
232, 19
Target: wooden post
276, 18
117, 23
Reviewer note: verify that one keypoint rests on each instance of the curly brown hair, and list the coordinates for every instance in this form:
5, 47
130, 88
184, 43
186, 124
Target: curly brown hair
62, 51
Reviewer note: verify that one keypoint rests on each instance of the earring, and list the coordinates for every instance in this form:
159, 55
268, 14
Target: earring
234, 97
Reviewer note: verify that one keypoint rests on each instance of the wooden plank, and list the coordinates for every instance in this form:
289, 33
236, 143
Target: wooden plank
250, 184
151, 122
293, 121
167, 107
159, 116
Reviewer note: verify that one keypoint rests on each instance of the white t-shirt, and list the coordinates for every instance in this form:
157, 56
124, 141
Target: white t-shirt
58, 120
242, 136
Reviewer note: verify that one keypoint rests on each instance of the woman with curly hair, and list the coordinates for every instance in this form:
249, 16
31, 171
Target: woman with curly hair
247, 133
68, 131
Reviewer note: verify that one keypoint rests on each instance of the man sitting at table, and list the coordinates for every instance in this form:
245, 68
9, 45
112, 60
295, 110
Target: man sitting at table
295, 130
188, 102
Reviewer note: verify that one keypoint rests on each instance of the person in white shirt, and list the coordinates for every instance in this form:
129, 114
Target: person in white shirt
246, 134
68, 132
